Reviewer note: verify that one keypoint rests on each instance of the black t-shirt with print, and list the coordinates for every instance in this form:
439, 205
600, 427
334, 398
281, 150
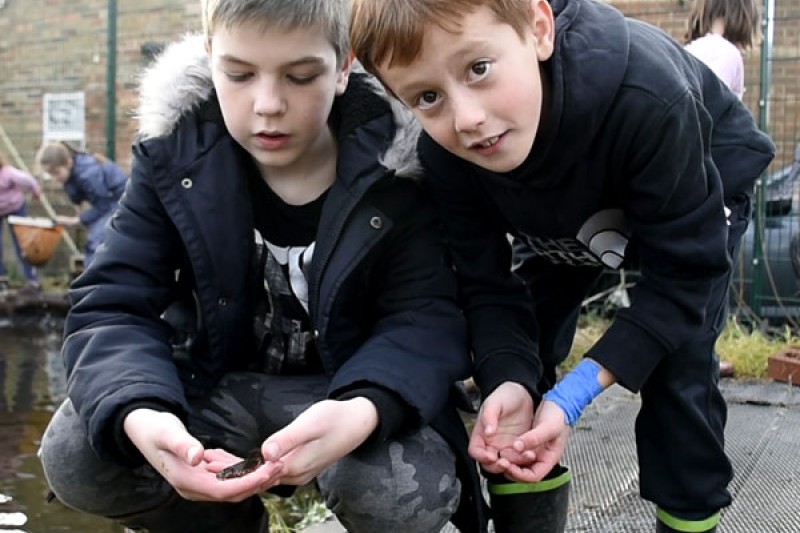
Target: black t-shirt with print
285, 236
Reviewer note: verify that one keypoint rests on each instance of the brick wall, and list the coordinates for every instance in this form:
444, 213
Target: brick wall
57, 46
61, 46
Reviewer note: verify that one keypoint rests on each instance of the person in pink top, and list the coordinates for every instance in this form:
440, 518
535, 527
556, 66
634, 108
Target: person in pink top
14, 184
719, 31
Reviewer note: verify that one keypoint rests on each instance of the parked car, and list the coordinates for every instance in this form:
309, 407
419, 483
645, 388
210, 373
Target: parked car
776, 294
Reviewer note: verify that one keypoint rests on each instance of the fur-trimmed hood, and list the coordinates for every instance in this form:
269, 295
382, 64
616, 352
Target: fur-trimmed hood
179, 80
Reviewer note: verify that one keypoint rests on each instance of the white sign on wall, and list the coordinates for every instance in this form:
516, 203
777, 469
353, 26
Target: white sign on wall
64, 118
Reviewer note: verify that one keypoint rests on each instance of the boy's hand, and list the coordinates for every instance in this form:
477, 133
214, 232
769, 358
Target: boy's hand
320, 436
506, 414
179, 458
538, 451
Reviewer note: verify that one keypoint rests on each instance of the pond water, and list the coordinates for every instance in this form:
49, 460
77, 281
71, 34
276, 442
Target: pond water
31, 386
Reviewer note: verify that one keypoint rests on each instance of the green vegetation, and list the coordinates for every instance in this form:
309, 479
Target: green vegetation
303, 509
748, 349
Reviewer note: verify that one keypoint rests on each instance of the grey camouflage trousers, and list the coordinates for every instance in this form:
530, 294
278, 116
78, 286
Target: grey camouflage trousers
405, 485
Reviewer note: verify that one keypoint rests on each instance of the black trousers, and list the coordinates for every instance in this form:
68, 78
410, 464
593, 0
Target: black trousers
680, 426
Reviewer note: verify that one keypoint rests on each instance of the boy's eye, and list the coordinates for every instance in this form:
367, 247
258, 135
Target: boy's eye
302, 80
427, 99
479, 70
237, 77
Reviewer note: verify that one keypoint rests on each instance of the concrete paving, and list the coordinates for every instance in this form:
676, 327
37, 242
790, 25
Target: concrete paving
762, 439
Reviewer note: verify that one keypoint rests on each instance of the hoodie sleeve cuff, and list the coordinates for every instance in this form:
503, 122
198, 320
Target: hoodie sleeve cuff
629, 352
495, 370
394, 414
126, 451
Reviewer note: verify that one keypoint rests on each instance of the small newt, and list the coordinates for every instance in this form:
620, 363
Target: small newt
242, 468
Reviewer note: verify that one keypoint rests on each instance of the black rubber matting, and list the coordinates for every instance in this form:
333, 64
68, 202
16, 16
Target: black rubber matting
762, 440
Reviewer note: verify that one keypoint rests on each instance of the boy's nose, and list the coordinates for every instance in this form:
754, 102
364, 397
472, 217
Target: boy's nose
269, 102
468, 116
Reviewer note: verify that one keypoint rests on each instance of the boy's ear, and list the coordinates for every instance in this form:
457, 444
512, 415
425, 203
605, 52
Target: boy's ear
544, 28
343, 76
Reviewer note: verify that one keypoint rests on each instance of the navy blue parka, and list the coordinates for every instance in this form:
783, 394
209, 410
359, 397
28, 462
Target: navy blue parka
382, 296
100, 183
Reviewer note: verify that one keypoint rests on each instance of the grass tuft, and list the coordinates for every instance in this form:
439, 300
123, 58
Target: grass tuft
297, 512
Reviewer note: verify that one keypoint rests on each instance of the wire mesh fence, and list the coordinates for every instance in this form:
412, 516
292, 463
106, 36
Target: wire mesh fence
767, 285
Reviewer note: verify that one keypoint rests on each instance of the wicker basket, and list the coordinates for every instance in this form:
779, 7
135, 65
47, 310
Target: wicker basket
38, 238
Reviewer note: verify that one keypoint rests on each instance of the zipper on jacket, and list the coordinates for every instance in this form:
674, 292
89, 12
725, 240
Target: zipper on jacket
314, 304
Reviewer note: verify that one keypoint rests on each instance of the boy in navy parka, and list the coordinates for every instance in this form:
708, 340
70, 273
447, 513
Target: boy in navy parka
590, 138
273, 281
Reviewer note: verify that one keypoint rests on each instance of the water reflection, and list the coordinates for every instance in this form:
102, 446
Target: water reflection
31, 386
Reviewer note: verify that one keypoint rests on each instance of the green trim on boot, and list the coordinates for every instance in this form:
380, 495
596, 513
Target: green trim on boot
531, 507
680, 525
528, 488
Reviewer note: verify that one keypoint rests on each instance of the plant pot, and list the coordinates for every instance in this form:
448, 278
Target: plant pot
784, 365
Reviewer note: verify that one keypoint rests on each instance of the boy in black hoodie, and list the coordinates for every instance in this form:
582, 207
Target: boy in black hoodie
591, 139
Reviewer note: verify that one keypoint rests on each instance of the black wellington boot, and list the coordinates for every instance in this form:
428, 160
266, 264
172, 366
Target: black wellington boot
531, 507
667, 523
183, 516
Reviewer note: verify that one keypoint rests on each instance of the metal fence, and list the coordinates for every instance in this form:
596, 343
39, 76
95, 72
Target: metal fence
767, 284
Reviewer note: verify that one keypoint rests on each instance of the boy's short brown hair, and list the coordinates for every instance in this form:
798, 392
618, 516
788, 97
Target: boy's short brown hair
330, 15
393, 30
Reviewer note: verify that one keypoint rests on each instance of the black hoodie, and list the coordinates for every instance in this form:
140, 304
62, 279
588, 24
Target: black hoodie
641, 146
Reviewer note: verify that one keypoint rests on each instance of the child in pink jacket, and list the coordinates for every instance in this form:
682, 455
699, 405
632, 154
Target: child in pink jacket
14, 184
719, 31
